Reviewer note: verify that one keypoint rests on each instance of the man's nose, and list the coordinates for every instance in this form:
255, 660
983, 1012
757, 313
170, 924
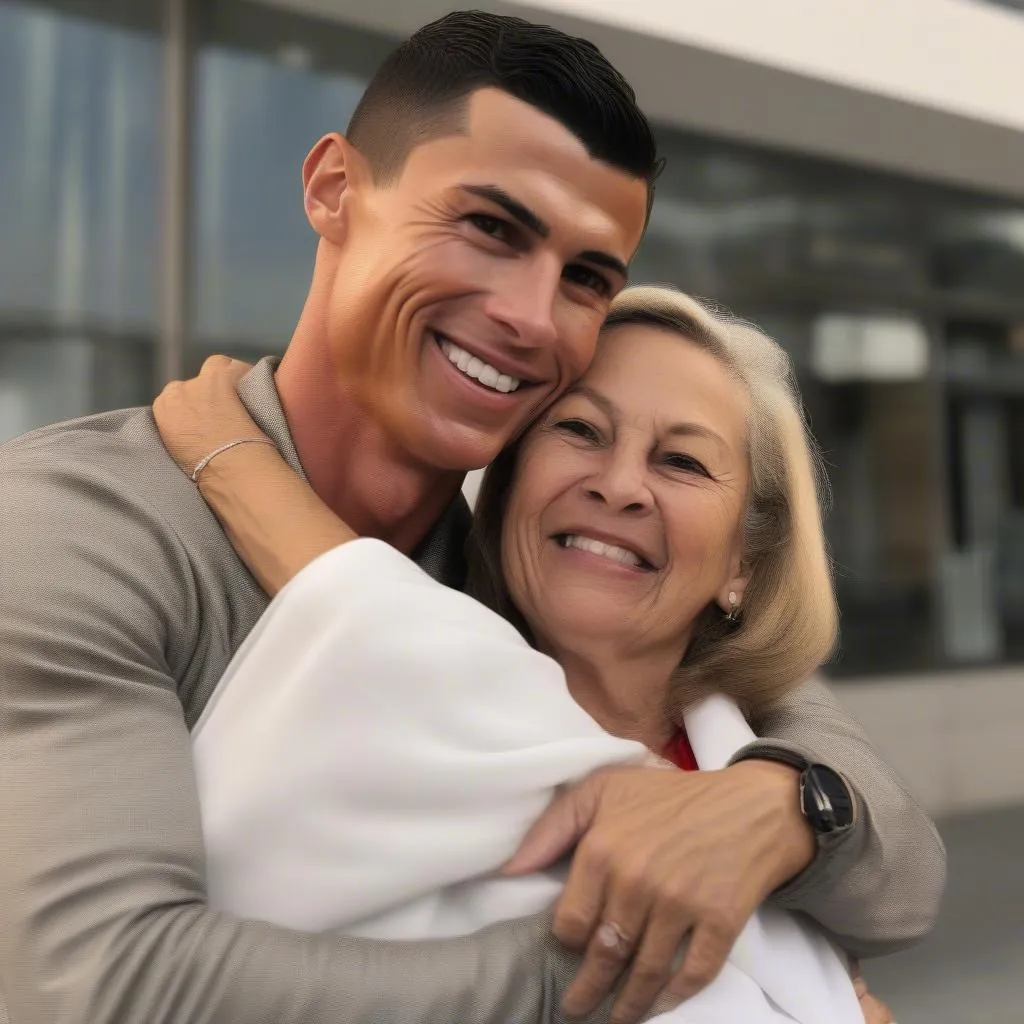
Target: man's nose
525, 303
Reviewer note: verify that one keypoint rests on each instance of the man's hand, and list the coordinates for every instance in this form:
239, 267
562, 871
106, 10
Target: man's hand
664, 855
875, 1011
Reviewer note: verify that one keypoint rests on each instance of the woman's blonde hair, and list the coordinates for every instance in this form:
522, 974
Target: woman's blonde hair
789, 621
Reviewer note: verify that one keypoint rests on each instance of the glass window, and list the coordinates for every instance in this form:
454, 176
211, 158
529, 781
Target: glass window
79, 187
269, 85
979, 250
985, 450
731, 221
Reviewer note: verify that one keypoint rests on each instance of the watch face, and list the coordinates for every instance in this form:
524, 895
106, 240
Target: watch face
825, 799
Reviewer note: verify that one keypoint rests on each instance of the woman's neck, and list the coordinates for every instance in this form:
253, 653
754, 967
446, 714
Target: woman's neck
626, 696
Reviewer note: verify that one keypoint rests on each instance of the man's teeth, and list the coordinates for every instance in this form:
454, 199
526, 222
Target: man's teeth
476, 368
597, 547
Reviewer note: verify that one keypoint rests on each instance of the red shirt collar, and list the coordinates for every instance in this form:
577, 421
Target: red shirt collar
680, 753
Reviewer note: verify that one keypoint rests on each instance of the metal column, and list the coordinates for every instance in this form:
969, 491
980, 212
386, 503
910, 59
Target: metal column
175, 195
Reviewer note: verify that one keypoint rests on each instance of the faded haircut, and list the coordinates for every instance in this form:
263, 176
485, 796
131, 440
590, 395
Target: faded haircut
421, 92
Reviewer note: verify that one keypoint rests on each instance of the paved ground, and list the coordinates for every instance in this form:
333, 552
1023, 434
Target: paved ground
971, 971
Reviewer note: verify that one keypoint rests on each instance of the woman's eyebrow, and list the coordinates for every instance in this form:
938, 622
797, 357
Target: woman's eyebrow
603, 402
696, 430
683, 428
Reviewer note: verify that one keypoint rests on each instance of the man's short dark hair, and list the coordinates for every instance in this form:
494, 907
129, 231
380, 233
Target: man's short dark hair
422, 89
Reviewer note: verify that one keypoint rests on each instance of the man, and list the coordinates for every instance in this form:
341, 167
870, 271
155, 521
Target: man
493, 187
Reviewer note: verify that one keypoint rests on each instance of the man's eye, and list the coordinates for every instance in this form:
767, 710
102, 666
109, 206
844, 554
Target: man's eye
494, 227
588, 278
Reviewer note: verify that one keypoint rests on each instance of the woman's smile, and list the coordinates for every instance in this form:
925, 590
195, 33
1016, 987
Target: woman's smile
589, 549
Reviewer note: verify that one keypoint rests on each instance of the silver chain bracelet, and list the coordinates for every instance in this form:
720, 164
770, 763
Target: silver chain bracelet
205, 461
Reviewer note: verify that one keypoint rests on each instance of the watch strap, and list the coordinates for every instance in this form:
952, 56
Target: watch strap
826, 800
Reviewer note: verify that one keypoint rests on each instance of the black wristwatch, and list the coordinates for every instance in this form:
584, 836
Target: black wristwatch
825, 800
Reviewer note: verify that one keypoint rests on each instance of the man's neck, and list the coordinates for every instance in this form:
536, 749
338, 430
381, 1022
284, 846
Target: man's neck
350, 462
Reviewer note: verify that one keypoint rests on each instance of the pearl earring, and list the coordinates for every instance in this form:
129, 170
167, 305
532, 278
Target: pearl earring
733, 603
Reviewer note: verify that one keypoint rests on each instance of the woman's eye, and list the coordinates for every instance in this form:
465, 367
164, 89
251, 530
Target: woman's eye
686, 463
587, 278
579, 428
493, 227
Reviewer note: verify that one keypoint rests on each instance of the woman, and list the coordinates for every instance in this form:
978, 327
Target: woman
656, 536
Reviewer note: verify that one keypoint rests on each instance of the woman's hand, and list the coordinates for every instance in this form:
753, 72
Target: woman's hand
273, 518
196, 416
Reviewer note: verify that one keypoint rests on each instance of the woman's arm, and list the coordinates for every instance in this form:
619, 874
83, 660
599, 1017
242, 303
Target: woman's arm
273, 518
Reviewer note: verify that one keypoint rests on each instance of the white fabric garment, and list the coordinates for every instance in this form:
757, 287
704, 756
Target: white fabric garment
380, 744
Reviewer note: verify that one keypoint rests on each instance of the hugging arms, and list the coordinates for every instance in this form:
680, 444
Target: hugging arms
278, 536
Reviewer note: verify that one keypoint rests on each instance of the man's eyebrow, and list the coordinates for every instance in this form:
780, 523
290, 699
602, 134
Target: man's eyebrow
603, 259
512, 207
525, 216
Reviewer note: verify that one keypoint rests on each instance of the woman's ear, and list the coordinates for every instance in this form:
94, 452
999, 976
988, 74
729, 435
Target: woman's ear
330, 172
730, 598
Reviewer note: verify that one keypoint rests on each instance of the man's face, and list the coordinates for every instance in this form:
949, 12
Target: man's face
468, 294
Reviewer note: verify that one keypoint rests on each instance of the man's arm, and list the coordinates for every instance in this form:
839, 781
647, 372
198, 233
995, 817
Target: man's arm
876, 887
103, 915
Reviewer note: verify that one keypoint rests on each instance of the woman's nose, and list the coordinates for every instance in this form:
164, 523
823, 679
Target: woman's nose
622, 485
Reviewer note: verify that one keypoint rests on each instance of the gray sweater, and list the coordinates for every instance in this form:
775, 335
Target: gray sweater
121, 604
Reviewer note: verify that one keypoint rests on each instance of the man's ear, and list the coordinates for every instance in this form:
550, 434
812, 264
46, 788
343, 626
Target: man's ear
331, 170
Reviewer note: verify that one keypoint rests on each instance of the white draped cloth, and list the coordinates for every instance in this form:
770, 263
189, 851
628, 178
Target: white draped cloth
379, 746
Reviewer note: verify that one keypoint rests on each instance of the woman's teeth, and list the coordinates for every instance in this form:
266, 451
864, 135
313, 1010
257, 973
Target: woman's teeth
597, 547
476, 368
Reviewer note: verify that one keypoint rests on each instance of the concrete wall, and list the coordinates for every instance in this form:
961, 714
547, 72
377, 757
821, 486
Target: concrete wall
957, 739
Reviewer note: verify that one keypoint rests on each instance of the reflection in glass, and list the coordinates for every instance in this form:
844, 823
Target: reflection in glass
257, 117
981, 251
79, 185
79, 168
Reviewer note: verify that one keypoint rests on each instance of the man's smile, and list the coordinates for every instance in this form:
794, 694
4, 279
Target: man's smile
474, 367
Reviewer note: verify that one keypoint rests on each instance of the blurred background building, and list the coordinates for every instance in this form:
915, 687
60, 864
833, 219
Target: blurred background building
849, 175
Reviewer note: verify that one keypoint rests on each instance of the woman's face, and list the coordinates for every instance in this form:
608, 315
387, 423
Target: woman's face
624, 520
